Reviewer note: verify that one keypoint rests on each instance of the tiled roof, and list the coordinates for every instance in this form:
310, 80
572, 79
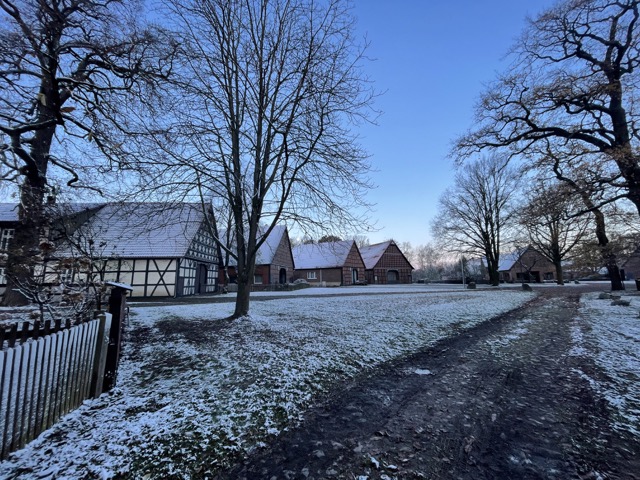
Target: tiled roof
371, 254
322, 255
141, 230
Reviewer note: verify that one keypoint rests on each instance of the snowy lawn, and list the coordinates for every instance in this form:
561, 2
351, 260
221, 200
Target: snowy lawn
195, 392
610, 334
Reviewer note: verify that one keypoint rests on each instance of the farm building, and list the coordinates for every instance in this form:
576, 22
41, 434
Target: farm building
385, 263
160, 249
274, 262
329, 264
525, 265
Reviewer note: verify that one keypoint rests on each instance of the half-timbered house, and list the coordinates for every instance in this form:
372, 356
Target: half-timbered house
160, 249
385, 263
329, 264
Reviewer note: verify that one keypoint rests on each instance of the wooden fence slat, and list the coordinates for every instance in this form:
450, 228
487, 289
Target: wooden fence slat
21, 393
62, 374
74, 365
87, 340
38, 383
49, 385
6, 365
56, 362
30, 372
95, 338
82, 372
12, 389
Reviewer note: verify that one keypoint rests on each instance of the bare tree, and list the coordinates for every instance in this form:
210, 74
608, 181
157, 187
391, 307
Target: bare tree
574, 83
555, 222
474, 214
269, 92
67, 72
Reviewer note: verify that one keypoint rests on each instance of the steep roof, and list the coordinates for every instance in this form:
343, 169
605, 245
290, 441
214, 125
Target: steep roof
8, 212
508, 260
268, 249
371, 254
322, 255
140, 230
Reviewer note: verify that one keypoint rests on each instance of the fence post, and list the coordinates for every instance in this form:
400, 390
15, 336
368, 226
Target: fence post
117, 308
100, 358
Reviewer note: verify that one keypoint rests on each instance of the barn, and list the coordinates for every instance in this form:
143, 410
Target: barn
385, 263
329, 263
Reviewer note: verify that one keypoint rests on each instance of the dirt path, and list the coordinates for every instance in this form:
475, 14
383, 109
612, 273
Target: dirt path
502, 400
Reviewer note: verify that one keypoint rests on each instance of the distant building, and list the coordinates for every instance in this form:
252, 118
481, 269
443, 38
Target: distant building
274, 261
385, 263
525, 265
329, 263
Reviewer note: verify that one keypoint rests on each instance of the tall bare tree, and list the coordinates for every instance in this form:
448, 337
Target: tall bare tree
67, 72
574, 81
555, 222
475, 213
269, 93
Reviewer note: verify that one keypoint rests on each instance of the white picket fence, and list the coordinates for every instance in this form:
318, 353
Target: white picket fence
48, 376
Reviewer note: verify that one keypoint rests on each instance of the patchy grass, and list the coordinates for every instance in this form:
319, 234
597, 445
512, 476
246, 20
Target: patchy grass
196, 393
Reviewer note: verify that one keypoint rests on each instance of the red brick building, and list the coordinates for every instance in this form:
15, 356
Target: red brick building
274, 262
525, 265
385, 263
329, 264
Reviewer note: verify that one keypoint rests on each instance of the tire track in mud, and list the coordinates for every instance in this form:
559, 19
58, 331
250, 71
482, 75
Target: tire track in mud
500, 400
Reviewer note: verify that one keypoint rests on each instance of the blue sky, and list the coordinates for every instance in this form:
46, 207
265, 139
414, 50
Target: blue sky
432, 57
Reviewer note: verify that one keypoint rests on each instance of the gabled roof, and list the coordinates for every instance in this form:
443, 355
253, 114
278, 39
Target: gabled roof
268, 249
508, 260
8, 212
322, 255
140, 230
371, 254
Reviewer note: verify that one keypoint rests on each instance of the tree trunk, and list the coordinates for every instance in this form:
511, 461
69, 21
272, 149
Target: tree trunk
559, 274
24, 246
242, 300
608, 255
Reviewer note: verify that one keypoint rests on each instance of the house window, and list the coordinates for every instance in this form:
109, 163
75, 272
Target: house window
3, 280
311, 275
66, 275
257, 279
7, 235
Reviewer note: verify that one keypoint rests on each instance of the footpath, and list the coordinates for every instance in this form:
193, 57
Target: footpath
503, 400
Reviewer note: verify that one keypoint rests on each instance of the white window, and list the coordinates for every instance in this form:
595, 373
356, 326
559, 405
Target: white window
311, 275
257, 279
7, 235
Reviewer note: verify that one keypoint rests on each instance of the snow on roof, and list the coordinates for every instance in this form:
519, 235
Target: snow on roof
141, 230
508, 260
322, 255
371, 253
8, 212
268, 249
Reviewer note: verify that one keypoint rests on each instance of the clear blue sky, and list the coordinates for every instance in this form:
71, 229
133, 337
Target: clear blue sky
432, 59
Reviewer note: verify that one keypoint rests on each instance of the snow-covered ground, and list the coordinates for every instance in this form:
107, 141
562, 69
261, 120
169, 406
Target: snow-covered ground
610, 334
196, 391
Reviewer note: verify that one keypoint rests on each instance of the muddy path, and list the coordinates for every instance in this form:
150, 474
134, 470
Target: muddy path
502, 400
